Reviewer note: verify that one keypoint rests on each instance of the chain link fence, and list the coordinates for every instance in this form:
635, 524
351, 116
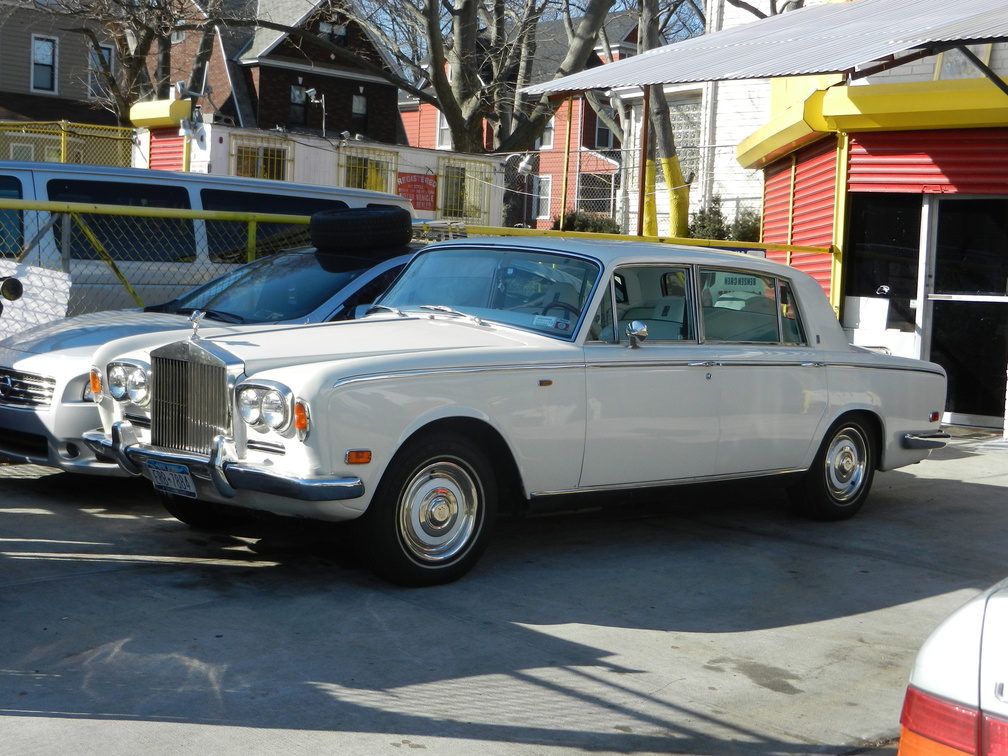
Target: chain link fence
118, 257
605, 184
65, 142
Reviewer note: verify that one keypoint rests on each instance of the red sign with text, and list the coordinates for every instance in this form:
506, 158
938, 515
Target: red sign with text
418, 188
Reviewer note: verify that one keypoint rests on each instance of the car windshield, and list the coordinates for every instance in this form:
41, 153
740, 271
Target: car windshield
285, 286
533, 290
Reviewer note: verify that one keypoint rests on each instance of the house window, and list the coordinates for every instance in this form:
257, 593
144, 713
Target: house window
545, 142
603, 134
369, 169
178, 35
99, 61
261, 158
335, 33
444, 138
43, 64
596, 192
542, 190
464, 190
22, 152
297, 115
358, 114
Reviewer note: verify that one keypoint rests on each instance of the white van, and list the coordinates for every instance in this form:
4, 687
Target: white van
160, 257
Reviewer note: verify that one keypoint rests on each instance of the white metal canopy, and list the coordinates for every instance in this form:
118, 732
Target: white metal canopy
826, 38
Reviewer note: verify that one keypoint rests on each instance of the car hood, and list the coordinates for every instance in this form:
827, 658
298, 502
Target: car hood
415, 341
88, 331
51, 347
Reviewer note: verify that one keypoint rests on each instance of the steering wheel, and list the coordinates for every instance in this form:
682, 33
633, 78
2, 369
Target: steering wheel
563, 306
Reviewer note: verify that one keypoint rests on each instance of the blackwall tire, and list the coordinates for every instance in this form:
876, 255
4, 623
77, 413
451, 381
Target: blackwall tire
837, 484
356, 229
432, 513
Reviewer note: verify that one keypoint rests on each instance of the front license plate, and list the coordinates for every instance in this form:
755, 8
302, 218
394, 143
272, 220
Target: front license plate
172, 479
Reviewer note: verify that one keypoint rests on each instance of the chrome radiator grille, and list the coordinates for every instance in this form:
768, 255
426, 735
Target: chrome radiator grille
25, 389
190, 401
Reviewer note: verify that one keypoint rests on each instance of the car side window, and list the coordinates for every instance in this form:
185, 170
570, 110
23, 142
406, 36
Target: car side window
743, 306
655, 295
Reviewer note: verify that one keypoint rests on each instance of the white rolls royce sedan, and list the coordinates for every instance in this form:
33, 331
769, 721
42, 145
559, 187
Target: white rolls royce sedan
502, 373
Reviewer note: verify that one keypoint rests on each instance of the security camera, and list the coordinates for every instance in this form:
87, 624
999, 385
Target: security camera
345, 135
311, 93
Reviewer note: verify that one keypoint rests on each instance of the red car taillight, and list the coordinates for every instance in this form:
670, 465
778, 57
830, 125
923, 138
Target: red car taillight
936, 726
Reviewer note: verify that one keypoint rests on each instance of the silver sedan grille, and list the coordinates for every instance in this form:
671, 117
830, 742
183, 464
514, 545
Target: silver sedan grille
25, 389
190, 398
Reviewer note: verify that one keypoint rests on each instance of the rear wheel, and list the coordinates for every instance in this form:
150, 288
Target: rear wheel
203, 515
432, 513
837, 484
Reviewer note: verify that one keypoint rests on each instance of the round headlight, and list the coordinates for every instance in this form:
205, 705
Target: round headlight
274, 409
248, 406
117, 382
137, 386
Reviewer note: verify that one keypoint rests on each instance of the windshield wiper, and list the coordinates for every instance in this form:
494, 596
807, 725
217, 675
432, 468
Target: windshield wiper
451, 311
227, 317
376, 307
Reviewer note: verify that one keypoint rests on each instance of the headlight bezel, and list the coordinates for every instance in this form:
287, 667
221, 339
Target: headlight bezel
265, 405
128, 381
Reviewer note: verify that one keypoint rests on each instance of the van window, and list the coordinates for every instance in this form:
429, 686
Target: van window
226, 239
11, 231
126, 238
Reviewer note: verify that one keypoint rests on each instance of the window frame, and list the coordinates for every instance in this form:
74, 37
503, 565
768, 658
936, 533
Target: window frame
53, 65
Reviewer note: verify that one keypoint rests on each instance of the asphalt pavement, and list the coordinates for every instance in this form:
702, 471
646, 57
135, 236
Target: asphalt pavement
710, 622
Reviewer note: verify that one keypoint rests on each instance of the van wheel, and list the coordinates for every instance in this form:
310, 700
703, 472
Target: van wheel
360, 228
837, 484
203, 515
432, 513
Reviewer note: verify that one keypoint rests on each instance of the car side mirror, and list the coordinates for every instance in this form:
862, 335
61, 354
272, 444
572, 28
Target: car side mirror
636, 332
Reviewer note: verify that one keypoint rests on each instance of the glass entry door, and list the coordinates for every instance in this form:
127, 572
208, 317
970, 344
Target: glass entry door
969, 306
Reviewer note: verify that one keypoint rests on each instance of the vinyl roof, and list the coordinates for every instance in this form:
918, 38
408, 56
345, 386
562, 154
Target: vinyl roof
830, 37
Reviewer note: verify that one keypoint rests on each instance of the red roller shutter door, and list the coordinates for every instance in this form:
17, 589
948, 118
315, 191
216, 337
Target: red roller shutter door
167, 150
798, 205
961, 161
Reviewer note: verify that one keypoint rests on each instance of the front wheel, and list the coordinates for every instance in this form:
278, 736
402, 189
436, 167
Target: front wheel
837, 484
432, 513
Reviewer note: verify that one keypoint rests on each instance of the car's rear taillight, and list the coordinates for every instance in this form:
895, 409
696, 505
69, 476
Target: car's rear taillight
940, 721
935, 726
994, 736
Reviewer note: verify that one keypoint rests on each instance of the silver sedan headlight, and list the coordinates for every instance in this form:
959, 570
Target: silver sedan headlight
129, 382
265, 405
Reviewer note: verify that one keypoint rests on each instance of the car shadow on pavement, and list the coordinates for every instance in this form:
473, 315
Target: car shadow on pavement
678, 622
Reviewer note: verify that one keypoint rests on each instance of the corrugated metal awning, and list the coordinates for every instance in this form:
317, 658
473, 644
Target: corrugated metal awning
819, 39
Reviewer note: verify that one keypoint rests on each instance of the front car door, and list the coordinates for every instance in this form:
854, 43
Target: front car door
652, 408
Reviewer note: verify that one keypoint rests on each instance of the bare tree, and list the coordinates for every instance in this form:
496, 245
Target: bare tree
136, 31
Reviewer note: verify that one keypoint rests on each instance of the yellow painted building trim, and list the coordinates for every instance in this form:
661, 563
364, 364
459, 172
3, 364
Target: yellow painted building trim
967, 103
795, 126
160, 113
840, 206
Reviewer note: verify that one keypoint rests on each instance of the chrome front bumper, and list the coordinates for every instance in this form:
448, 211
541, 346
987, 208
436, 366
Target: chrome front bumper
935, 440
222, 468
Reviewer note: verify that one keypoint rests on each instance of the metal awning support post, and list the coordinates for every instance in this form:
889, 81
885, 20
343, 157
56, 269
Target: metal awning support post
642, 168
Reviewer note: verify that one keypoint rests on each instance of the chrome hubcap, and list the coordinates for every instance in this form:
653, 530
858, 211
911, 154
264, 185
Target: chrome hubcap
438, 512
846, 464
